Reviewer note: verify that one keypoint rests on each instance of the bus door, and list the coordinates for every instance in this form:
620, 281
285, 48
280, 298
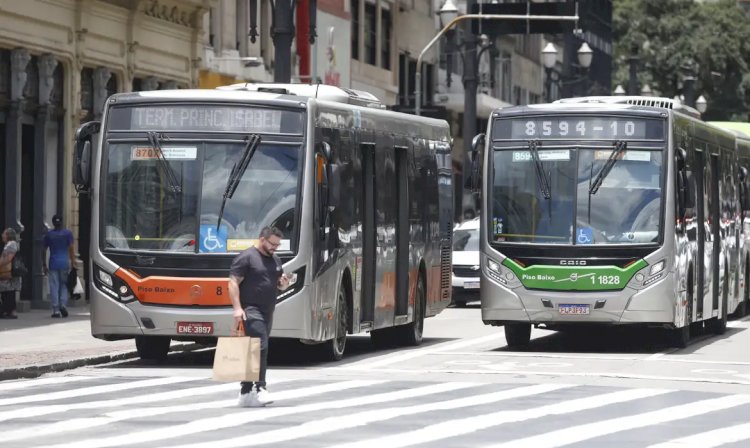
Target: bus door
715, 227
700, 264
385, 219
402, 234
367, 218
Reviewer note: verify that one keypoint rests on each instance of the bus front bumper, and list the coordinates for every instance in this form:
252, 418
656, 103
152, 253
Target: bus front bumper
652, 305
116, 320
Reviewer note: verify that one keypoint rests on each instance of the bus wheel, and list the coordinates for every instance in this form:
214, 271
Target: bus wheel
517, 334
412, 332
335, 347
152, 348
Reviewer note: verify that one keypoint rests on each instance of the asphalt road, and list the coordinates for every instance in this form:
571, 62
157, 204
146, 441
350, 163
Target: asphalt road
462, 387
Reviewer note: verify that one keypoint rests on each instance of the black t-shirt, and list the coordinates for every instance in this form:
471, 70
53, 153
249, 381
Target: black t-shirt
260, 275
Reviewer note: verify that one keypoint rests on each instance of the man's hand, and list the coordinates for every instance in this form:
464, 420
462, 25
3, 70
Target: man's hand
239, 316
284, 281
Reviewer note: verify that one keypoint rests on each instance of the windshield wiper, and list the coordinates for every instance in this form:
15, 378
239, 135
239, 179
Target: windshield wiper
540, 174
155, 140
238, 170
620, 147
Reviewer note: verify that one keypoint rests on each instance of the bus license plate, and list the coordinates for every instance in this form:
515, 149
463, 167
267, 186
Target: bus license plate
471, 285
574, 309
195, 328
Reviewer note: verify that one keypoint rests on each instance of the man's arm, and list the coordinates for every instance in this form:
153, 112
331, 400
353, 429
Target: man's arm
72, 256
44, 256
234, 296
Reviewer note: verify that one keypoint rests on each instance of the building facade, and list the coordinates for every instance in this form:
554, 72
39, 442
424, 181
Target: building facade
59, 60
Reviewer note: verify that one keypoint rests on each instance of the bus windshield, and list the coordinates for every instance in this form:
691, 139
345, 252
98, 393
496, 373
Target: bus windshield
142, 212
624, 209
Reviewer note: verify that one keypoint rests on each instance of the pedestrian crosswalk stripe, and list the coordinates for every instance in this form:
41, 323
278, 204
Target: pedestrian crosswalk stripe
453, 428
93, 390
23, 384
326, 425
242, 418
589, 431
400, 357
118, 416
36, 411
710, 439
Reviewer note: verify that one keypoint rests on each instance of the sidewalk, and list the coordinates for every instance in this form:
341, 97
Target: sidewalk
35, 344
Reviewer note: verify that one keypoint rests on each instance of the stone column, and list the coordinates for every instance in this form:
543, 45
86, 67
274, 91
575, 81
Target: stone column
101, 78
47, 64
150, 83
20, 58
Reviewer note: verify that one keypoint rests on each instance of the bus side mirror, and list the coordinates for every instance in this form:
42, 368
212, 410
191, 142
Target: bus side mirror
82, 156
477, 146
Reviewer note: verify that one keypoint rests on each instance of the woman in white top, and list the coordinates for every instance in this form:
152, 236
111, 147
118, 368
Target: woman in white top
9, 284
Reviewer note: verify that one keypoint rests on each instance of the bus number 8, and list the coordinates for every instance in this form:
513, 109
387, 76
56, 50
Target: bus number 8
530, 128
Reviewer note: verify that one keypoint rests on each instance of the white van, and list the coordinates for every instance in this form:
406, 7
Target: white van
465, 277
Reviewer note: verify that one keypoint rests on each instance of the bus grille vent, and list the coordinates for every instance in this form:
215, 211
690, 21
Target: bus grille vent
657, 102
445, 267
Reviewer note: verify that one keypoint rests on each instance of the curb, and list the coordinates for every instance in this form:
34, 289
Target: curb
35, 371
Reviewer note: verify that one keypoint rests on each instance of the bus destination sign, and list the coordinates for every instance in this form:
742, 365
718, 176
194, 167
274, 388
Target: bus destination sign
206, 118
587, 128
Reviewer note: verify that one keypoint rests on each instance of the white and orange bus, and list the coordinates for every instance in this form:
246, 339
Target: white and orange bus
182, 180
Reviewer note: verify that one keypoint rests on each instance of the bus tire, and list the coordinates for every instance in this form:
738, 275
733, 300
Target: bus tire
517, 334
335, 348
718, 325
413, 331
152, 348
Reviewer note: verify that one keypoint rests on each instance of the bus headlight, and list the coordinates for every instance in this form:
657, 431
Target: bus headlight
113, 286
105, 278
656, 268
498, 272
296, 282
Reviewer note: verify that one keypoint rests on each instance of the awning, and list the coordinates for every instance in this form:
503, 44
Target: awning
455, 102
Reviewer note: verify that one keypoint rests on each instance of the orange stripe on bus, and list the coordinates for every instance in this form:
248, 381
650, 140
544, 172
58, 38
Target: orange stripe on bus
178, 290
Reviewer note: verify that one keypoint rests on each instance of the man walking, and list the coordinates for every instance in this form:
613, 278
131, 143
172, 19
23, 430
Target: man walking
255, 278
59, 241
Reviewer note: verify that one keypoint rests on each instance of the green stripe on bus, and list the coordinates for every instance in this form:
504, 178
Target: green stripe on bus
575, 278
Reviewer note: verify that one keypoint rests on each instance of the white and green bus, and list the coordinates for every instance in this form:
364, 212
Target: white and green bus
611, 211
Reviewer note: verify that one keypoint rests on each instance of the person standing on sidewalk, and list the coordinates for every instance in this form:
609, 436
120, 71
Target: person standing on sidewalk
59, 241
255, 278
9, 284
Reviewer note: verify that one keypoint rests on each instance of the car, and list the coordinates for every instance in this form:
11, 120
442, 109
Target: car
465, 278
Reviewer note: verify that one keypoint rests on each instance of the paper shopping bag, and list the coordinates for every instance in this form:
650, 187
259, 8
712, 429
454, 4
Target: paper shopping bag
237, 358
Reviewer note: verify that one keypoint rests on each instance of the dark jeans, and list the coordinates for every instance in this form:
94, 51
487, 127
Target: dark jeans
9, 301
258, 325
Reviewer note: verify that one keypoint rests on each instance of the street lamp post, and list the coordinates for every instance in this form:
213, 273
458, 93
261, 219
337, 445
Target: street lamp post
701, 104
549, 59
282, 33
633, 75
456, 20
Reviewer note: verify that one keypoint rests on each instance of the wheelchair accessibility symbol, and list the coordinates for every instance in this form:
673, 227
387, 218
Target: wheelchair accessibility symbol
211, 240
585, 235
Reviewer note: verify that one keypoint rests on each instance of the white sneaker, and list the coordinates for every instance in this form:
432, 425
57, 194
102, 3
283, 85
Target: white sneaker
263, 397
249, 400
